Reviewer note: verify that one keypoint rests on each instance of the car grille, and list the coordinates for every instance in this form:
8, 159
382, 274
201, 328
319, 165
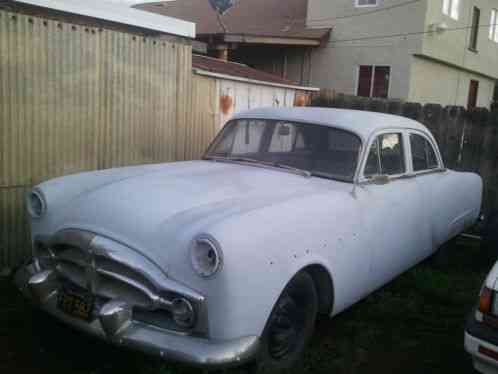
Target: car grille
101, 276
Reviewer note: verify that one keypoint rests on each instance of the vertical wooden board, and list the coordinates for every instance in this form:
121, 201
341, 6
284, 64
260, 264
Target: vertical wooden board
395, 107
412, 111
377, 105
455, 119
489, 163
472, 144
432, 117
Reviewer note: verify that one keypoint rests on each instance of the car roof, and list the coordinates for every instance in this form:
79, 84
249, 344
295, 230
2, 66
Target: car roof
362, 123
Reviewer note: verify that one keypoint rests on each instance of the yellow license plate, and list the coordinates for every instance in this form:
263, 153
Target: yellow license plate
75, 304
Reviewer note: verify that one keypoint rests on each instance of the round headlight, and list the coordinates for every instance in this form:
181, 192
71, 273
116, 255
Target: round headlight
206, 256
36, 204
183, 312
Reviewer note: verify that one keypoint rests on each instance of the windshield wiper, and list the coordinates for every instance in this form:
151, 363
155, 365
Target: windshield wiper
331, 176
304, 173
237, 159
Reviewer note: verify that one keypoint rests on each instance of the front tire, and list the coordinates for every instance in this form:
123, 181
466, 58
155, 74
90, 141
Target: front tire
290, 326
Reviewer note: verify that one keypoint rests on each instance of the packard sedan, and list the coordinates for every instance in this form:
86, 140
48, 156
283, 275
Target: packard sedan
228, 260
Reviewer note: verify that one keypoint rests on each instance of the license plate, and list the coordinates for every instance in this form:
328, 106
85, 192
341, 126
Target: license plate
75, 304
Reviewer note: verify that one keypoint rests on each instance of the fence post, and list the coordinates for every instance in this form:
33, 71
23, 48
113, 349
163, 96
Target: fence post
488, 163
431, 117
474, 124
377, 105
358, 103
395, 107
450, 134
412, 110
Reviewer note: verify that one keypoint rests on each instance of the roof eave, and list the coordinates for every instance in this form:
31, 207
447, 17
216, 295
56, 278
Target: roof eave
119, 14
272, 40
211, 74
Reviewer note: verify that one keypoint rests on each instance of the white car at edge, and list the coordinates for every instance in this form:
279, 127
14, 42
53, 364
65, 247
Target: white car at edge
481, 338
228, 260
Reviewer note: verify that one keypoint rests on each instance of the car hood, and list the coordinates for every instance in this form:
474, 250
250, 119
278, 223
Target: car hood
174, 202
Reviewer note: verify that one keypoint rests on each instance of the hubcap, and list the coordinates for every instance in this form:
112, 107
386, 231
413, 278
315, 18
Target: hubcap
286, 328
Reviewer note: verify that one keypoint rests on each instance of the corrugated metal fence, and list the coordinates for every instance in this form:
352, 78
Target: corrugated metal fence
75, 98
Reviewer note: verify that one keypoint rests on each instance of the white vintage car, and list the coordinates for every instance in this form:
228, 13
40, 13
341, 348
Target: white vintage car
228, 260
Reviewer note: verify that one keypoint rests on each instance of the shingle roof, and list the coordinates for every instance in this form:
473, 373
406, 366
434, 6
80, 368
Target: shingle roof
215, 65
266, 18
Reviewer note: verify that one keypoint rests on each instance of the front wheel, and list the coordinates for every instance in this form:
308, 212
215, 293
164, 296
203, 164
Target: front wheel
290, 325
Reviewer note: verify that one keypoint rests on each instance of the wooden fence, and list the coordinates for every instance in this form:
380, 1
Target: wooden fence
76, 98
468, 140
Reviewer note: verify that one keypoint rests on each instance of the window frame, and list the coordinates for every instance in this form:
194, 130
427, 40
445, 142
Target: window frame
435, 148
474, 30
206, 155
493, 26
437, 152
451, 9
358, 5
407, 154
372, 79
367, 179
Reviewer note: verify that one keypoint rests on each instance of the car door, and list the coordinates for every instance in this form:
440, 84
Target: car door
431, 179
391, 204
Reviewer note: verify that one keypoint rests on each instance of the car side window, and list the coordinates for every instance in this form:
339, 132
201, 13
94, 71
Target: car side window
372, 166
386, 156
423, 154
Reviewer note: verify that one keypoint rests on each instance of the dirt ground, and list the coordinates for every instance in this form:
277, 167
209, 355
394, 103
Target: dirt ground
413, 325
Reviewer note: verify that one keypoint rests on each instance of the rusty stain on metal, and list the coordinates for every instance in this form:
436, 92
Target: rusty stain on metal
225, 104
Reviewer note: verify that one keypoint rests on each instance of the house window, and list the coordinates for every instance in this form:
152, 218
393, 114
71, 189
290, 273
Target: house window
365, 3
493, 26
474, 32
373, 81
473, 93
451, 8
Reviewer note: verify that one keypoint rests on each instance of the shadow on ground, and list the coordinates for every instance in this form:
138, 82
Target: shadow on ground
413, 325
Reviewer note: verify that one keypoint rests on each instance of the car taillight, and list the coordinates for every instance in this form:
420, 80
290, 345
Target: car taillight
485, 300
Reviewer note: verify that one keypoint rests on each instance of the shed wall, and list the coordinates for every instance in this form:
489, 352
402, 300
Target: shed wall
76, 98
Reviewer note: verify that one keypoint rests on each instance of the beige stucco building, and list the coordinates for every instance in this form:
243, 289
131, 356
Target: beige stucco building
428, 51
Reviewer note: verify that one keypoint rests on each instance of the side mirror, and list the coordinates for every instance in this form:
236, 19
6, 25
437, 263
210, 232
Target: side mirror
380, 179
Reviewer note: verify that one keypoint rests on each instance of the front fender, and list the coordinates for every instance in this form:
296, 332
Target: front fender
241, 298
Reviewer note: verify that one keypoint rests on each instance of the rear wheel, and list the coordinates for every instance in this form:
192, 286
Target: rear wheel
290, 325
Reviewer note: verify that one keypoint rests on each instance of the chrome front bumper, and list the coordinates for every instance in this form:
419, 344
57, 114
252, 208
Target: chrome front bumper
115, 325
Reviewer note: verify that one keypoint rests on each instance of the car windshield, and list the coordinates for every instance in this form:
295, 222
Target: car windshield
316, 150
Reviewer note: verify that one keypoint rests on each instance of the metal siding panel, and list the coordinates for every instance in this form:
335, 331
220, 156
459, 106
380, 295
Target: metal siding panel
74, 100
